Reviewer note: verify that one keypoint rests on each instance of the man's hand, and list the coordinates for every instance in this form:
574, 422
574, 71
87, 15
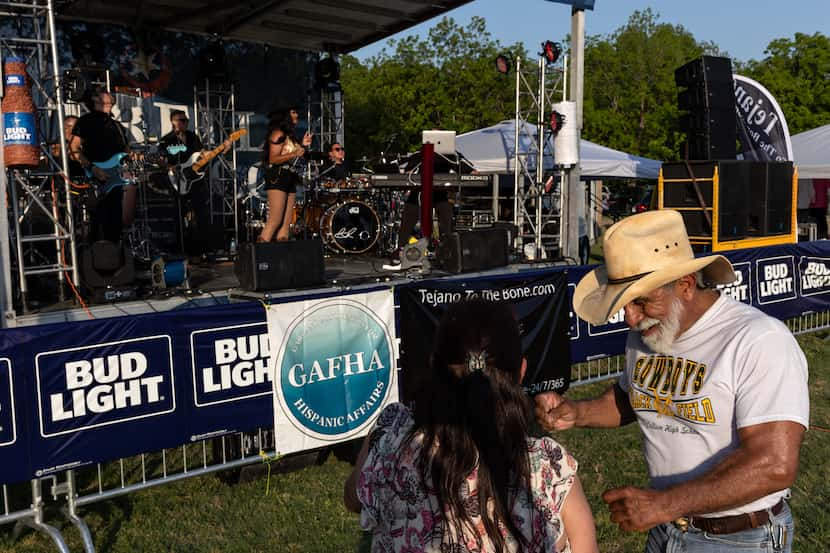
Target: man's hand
307, 138
637, 509
227, 145
555, 412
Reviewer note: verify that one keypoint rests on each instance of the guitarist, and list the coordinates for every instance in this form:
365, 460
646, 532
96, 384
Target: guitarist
177, 147
179, 144
97, 137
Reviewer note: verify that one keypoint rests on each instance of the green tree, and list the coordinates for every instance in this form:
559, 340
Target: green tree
447, 80
797, 73
630, 94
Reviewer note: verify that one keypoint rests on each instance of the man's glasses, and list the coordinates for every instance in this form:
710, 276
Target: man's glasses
339, 149
180, 120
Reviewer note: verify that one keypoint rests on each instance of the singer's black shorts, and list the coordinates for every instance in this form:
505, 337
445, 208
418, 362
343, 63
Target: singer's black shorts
280, 178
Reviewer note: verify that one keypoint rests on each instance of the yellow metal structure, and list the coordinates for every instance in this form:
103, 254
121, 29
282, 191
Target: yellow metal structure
712, 242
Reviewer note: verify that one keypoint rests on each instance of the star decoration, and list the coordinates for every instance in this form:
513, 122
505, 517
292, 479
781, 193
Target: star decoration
143, 64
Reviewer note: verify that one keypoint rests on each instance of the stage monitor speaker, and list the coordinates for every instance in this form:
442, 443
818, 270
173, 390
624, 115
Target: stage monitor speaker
106, 264
277, 265
474, 250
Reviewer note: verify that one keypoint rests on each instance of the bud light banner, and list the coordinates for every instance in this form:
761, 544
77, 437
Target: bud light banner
102, 384
231, 363
13, 454
762, 129
540, 299
335, 367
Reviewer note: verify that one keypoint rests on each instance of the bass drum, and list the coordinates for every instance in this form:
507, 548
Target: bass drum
350, 227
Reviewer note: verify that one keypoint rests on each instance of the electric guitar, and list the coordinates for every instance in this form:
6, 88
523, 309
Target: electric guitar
118, 173
191, 170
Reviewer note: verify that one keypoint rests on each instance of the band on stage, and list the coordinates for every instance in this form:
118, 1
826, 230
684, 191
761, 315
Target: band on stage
297, 191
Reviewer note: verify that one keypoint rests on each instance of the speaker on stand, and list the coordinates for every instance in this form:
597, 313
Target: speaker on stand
707, 95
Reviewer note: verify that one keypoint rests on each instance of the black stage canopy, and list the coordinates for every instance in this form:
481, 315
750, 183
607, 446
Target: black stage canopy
338, 26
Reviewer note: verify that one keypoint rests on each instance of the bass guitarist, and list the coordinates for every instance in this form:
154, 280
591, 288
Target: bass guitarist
97, 137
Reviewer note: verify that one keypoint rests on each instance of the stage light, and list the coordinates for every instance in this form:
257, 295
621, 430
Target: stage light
551, 50
557, 121
74, 85
327, 73
213, 63
503, 63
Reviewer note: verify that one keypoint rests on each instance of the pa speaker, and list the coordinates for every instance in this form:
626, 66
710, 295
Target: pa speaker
474, 250
276, 265
708, 96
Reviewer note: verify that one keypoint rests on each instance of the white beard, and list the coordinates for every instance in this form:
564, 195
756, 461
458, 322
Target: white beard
662, 340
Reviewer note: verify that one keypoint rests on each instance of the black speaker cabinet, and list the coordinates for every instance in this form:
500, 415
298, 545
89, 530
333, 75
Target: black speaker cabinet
276, 265
708, 96
104, 264
474, 250
754, 198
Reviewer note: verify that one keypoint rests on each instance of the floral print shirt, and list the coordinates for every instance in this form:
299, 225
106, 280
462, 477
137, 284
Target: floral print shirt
401, 510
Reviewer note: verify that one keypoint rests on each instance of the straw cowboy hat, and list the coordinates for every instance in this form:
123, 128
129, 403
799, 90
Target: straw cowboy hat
642, 253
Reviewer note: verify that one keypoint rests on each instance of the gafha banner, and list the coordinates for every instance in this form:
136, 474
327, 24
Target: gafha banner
762, 129
335, 367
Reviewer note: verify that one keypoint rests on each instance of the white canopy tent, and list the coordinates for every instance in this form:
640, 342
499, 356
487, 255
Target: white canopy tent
811, 150
491, 150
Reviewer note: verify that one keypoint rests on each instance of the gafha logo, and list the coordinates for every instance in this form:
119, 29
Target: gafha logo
335, 369
104, 384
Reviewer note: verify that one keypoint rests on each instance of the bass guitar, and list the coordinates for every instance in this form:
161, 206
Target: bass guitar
183, 176
117, 170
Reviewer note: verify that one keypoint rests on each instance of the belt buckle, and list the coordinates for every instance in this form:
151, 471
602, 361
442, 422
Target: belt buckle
681, 523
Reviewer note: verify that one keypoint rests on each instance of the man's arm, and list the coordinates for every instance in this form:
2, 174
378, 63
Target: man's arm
609, 410
766, 461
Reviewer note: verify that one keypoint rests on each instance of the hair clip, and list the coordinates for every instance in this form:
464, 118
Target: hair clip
476, 361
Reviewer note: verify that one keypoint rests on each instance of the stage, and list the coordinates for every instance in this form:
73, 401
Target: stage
213, 282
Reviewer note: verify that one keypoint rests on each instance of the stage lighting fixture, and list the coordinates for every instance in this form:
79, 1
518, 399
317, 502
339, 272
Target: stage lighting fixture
327, 73
557, 121
87, 49
213, 63
551, 50
74, 85
503, 63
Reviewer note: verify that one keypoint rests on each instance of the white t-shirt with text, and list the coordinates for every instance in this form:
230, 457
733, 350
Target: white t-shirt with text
735, 367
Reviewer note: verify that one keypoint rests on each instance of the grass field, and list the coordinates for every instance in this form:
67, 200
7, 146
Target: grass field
303, 511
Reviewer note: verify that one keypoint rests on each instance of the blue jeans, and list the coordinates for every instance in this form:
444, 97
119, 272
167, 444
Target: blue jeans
774, 537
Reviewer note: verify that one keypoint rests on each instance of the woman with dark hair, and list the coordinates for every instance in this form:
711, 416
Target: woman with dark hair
280, 153
460, 473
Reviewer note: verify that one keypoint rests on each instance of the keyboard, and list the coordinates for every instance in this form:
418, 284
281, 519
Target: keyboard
439, 180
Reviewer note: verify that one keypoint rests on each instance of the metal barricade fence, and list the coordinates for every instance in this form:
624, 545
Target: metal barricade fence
104, 481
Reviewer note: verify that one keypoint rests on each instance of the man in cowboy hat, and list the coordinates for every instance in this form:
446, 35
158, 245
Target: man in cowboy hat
718, 387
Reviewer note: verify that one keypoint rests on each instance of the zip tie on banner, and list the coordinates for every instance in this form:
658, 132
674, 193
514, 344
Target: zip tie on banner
268, 460
265, 305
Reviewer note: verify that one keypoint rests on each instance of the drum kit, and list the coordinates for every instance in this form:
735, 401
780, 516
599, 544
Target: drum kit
348, 215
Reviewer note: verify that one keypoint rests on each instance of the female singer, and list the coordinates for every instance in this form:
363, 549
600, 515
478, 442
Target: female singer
281, 151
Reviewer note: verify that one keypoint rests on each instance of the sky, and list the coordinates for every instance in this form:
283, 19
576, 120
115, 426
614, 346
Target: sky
741, 28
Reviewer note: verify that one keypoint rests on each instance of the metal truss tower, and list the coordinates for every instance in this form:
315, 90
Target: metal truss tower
332, 115
536, 203
214, 108
38, 239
